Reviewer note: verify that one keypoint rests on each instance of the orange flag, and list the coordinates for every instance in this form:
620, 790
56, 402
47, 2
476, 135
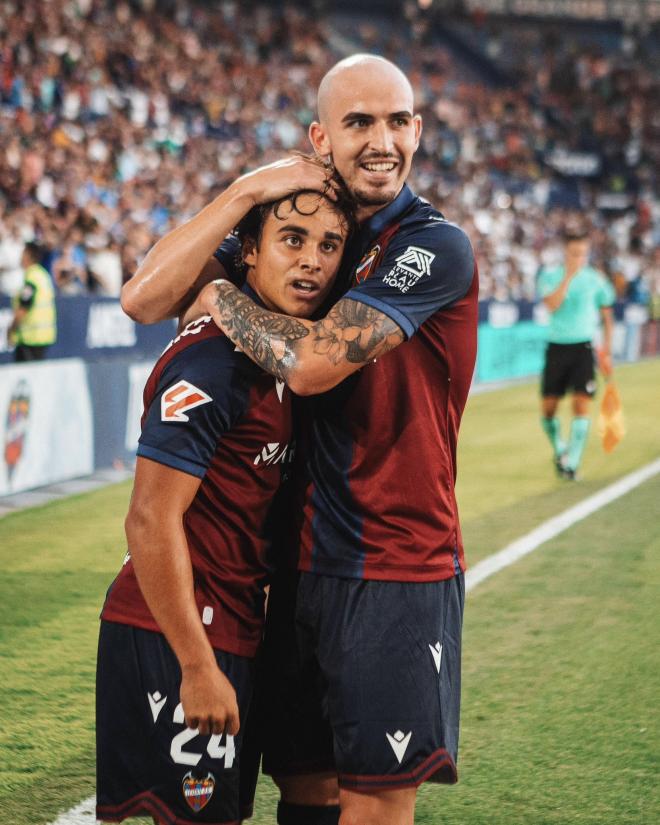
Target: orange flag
611, 426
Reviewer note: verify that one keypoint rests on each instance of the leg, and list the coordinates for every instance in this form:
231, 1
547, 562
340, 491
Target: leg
553, 388
381, 808
552, 428
311, 799
579, 431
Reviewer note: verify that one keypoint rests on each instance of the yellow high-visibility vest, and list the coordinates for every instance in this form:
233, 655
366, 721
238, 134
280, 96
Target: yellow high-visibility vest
39, 327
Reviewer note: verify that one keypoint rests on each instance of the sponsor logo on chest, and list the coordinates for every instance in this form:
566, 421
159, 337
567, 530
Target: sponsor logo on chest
275, 453
409, 267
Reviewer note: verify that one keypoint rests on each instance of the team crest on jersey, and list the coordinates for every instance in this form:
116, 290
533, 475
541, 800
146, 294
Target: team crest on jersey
198, 792
17, 426
179, 399
409, 267
363, 269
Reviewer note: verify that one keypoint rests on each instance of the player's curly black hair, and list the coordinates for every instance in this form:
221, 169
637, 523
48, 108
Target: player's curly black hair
340, 200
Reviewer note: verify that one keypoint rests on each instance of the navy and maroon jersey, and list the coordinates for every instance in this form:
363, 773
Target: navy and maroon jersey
210, 412
379, 499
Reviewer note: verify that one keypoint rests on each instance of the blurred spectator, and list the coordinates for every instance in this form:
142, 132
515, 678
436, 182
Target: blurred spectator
34, 325
105, 148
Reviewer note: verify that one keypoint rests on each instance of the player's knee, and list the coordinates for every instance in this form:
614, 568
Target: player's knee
291, 814
311, 790
388, 808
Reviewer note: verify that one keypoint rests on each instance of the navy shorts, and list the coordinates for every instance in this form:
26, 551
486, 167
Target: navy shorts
362, 678
568, 367
148, 761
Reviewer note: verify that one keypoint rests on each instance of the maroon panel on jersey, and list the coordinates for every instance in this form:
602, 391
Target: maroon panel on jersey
380, 503
239, 442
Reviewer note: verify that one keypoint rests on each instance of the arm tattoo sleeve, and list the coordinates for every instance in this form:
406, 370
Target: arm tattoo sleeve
266, 337
352, 332
355, 332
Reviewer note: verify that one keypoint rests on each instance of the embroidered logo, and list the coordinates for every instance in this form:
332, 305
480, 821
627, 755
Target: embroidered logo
409, 267
436, 652
179, 399
275, 453
363, 269
198, 792
156, 703
399, 742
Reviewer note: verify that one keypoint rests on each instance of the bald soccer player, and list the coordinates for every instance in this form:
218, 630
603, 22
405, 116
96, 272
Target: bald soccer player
367, 691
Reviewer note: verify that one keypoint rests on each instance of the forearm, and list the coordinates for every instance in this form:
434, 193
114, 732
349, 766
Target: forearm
608, 328
310, 356
555, 299
173, 265
161, 560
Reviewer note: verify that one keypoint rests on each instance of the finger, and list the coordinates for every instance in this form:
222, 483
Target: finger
192, 722
219, 725
233, 723
205, 726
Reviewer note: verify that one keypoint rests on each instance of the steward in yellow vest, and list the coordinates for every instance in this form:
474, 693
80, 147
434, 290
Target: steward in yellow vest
34, 326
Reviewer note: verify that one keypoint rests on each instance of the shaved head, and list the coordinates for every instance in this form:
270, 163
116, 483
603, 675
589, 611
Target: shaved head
369, 65
367, 128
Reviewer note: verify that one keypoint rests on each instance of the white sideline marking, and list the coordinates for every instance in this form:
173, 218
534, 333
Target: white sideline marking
554, 526
83, 814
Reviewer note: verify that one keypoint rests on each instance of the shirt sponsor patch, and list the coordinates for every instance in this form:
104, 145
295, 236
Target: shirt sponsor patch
179, 399
409, 267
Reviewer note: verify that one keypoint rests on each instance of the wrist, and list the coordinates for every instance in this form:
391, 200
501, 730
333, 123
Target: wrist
243, 192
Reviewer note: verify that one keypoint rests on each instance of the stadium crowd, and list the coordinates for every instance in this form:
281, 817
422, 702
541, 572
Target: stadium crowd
120, 120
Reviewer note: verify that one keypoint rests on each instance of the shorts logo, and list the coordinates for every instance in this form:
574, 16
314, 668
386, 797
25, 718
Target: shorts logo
399, 742
198, 792
178, 399
410, 266
363, 269
156, 703
436, 652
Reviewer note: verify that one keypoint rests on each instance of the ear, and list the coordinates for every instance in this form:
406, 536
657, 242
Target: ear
319, 139
249, 252
417, 121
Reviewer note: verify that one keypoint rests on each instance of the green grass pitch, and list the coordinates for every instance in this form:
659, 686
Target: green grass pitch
561, 650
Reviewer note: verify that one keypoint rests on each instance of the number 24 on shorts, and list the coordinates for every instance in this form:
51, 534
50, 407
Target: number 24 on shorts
214, 749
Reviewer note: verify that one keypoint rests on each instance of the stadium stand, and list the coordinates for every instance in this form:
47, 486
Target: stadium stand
120, 120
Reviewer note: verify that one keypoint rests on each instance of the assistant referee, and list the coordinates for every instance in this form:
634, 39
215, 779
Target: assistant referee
578, 296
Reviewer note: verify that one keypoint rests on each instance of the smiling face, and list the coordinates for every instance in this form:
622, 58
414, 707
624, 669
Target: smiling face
293, 264
367, 126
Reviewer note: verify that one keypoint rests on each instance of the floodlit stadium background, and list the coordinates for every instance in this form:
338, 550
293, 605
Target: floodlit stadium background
120, 120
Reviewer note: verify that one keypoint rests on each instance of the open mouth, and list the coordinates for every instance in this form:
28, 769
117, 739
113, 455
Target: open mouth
306, 288
379, 166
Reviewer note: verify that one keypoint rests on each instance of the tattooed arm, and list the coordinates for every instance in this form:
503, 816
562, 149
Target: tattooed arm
310, 356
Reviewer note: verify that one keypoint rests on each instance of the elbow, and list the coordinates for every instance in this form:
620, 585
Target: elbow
132, 305
308, 382
141, 526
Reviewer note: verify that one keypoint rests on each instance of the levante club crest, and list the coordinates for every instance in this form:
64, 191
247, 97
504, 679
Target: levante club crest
363, 269
198, 792
18, 419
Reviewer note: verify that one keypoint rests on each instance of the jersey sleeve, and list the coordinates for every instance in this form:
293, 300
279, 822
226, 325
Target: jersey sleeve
26, 295
199, 397
228, 254
422, 271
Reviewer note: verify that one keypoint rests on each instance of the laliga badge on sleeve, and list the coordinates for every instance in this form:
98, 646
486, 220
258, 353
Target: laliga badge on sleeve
198, 792
611, 426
